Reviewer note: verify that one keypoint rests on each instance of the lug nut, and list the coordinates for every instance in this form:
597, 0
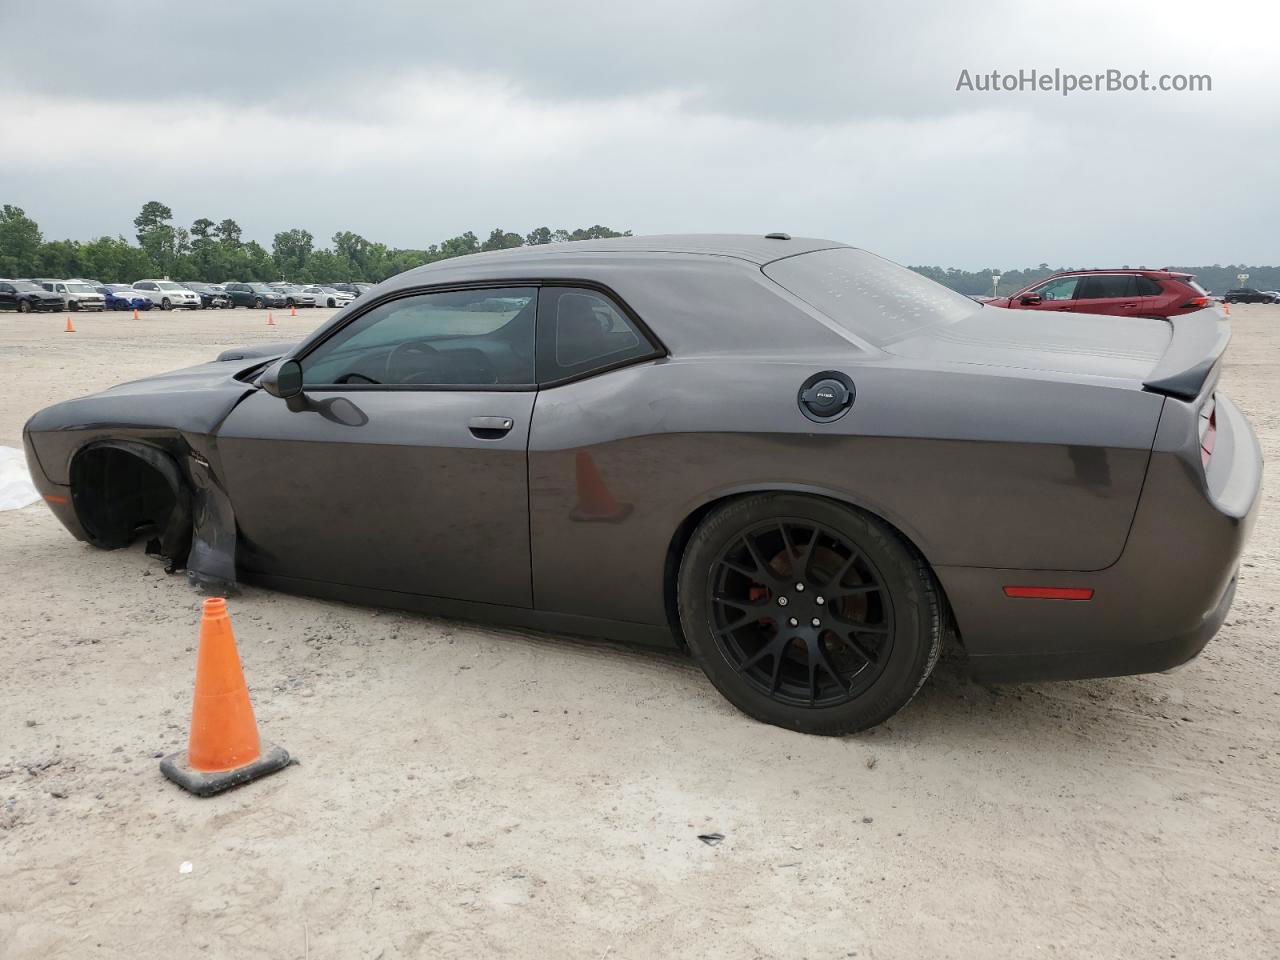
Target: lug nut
782, 601
794, 622
799, 588
816, 622
819, 600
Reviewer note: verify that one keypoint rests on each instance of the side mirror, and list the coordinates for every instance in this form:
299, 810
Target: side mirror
283, 379
1029, 299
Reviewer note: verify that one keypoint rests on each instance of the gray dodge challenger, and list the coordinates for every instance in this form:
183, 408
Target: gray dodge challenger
802, 462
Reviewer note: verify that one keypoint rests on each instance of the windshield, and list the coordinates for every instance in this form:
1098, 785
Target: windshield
869, 296
81, 288
169, 285
24, 286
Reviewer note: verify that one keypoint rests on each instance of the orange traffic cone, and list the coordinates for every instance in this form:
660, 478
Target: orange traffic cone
270, 322
71, 327
135, 313
1226, 308
224, 750
595, 502
293, 310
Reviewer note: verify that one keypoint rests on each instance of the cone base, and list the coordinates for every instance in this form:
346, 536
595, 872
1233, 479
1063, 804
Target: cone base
176, 768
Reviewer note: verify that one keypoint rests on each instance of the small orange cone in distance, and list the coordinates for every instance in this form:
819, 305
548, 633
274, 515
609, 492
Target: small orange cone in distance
71, 327
293, 310
135, 313
595, 502
224, 749
270, 322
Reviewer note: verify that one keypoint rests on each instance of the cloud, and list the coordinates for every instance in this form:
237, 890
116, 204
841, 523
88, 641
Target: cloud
408, 123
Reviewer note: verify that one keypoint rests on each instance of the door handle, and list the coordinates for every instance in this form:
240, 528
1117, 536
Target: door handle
490, 428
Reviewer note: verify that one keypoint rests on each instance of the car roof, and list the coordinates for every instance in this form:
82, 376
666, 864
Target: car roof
1136, 271
754, 248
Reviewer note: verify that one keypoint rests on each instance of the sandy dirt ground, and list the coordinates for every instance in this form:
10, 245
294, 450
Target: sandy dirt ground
466, 791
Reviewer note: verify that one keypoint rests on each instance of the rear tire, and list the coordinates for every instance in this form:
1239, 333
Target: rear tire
808, 614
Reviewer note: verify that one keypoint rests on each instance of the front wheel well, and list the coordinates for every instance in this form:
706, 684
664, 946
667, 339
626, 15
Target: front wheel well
123, 491
684, 532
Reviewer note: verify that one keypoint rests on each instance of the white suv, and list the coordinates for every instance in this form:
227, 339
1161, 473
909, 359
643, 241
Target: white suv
166, 294
75, 294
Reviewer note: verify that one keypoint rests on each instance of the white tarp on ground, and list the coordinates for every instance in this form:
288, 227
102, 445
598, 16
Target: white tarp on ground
16, 489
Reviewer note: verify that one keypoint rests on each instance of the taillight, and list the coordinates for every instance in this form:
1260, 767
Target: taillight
1049, 593
1208, 430
1196, 302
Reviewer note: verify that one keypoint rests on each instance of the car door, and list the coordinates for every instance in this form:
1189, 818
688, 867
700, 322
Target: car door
403, 465
8, 297
1109, 293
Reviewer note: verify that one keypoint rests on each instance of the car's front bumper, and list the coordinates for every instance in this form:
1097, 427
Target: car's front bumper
1154, 608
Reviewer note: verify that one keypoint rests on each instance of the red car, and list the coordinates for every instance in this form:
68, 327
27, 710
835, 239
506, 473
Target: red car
1126, 293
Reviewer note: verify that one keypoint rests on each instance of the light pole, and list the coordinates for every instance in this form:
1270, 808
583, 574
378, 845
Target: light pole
995, 284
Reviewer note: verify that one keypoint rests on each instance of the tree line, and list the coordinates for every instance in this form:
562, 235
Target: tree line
216, 251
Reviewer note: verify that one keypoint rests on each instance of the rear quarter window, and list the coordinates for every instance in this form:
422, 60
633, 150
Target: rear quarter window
870, 297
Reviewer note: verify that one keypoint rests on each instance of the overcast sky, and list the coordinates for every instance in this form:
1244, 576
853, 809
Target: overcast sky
409, 124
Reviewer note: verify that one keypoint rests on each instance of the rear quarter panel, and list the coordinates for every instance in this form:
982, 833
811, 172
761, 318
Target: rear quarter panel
977, 470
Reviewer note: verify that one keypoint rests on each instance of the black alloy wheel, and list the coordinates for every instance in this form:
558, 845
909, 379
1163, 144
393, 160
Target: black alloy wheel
808, 614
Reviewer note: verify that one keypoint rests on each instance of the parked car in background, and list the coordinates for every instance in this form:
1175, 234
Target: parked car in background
355, 289
1126, 293
212, 296
330, 296
27, 296
295, 295
1273, 294
121, 296
75, 294
166, 294
1248, 295
257, 295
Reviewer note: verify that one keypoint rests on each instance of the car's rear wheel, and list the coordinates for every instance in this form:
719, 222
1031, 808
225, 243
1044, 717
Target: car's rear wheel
808, 614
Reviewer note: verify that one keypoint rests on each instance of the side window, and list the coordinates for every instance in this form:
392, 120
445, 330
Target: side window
1146, 287
1103, 286
458, 338
581, 331
1064, 288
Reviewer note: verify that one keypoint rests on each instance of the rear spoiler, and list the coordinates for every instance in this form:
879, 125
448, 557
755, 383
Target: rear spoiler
1199, 340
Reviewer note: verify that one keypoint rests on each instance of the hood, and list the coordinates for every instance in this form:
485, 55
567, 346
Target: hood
1062, 345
